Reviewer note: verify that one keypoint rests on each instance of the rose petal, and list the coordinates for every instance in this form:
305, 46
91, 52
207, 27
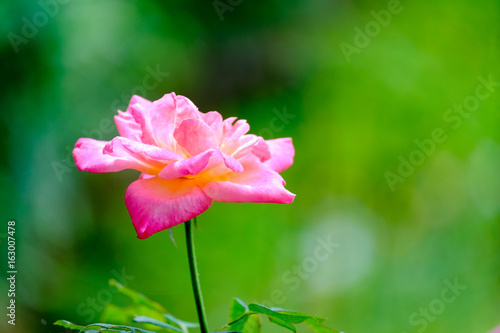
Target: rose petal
148, 153
252, 144
214, 120
210, 159
163, 113
282, 154
125, 122
137, 153
195, 136
156, 204
227, 125
188, 166
145, 176
136, 99
89, 156
245, 145
166, 115
221, 163
232, 135
262, 150
140, 113
257, 183
127, 126
185, 109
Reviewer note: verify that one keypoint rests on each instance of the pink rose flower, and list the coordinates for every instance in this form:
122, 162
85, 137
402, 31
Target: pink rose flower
496, 330
188, 159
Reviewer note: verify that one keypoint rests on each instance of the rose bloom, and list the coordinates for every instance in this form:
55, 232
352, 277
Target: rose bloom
188, 159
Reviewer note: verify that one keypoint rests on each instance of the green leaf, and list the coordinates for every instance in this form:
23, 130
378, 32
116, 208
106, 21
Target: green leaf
184, 325
282, 323
237, 325
136, 297
125, 315
142, 306
152, 321
248, 323
241, 319
290, 317
252, 324
237, 309
142, 310
112, 327
100, 327
318, 327
70, 325
116, 314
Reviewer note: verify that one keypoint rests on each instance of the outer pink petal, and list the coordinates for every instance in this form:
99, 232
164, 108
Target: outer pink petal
147, 153
257, 183
282, 154
89, 156
156, 204
195, 136
210, 159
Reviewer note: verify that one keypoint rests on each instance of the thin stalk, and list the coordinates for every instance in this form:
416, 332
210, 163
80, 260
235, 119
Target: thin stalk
195, 277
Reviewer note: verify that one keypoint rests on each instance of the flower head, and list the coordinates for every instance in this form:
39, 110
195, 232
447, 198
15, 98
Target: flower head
187, 159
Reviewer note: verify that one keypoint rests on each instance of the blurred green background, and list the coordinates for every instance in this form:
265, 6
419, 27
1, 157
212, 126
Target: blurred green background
282, 65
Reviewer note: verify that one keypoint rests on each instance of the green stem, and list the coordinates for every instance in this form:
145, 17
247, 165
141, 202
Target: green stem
195, 280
